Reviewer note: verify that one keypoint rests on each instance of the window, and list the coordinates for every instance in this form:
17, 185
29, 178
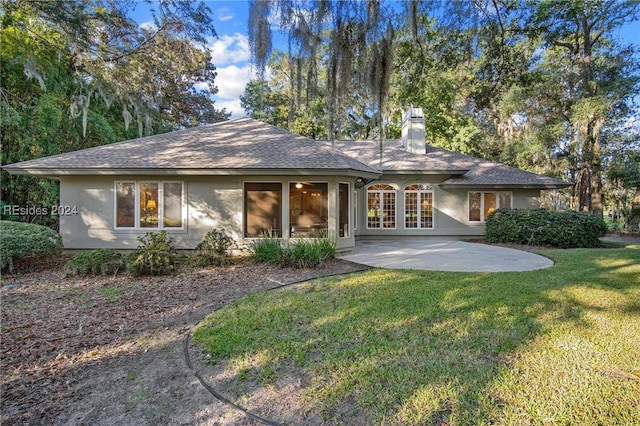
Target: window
482, 204
262, 209
308, 212
418, 206
154, 205
381, 206
343, 210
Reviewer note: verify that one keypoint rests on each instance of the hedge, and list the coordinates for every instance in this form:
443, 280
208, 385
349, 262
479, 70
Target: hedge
539, 227
21, 239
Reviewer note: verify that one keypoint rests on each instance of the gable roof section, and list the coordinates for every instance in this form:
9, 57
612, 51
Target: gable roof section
396, 159
242, 146
464, 170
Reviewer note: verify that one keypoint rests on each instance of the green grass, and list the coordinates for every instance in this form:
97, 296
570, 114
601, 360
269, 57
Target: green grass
554, 346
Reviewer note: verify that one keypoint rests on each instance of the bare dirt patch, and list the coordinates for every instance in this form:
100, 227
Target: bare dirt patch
110, 350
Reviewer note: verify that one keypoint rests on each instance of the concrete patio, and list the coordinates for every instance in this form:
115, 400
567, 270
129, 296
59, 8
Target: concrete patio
443, 255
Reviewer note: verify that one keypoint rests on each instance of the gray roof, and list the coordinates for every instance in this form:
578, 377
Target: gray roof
235, 146
464, 170
248, 146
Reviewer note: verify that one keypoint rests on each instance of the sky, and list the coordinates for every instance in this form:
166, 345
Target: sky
230, 50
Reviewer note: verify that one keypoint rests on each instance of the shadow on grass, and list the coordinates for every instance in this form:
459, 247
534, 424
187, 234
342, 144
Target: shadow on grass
412, 347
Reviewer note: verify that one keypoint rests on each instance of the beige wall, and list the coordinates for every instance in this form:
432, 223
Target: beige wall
210, 202
217, 202
450, 209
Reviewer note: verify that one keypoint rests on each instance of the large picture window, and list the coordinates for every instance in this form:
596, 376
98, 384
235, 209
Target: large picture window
308, 209
262, 209
154, 205
381, 206
482, 204
418, 205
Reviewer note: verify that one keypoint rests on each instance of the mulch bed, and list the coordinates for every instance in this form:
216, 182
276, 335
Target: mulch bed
54, 327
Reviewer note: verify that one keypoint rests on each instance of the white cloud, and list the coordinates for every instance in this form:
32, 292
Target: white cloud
229, 49
225, 14
232, 80
233, 106
149, 26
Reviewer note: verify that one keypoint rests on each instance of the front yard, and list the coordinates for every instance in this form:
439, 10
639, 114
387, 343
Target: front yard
555, 346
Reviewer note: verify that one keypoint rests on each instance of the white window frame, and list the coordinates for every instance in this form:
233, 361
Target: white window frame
136, 205
381, 192
349, 210
497, 194
419, 193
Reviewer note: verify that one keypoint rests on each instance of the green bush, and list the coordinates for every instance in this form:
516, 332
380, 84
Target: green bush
303, 253
267, 250
94, 263
154, 256
545, 228
309, 253
21, 239
214, 249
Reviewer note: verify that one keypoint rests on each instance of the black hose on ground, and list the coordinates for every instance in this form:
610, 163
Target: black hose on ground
217, 394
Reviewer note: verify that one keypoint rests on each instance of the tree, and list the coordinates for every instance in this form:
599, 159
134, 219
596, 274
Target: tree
597, 77
350, 42
76, 74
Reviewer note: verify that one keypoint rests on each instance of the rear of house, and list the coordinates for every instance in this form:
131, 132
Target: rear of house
250, 179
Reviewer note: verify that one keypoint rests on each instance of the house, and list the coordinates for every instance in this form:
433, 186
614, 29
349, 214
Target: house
249, 178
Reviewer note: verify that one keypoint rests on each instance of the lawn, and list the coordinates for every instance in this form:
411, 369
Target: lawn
554, 346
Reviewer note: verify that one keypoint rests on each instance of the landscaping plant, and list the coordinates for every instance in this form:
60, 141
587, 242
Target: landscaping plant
214, 249
22, 239
301, 253
539, 227
154, 256
94, 263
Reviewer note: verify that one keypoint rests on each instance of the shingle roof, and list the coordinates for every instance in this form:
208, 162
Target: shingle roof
240, 144
245, 145
397, 159
465, 170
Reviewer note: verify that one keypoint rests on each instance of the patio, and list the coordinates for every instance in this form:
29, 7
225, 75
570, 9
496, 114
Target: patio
443, 255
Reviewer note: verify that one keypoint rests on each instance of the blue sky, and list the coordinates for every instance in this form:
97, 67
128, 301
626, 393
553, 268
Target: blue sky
231, 56
230, 50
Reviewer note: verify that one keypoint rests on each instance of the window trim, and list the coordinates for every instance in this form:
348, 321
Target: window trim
381, 192
497, 194
136, 206
419, 205
349, 210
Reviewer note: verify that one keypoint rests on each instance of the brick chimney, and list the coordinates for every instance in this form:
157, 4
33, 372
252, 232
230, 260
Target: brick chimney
413, 132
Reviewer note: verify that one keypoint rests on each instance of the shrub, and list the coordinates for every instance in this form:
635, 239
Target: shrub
309, 253
154, 256
94, 263
303, 253
21, 239
214, 249
267, 250
545, 228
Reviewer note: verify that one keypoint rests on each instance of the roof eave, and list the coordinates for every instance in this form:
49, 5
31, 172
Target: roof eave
424, 172
505, 186
54, 173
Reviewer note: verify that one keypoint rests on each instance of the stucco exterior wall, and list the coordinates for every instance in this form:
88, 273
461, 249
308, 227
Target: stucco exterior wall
209, 202
450, 208
218, 202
